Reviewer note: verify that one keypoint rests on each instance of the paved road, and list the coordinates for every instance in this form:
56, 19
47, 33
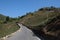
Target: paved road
23, 34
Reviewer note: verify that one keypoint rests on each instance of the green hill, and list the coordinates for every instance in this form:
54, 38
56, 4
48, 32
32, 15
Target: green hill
43, 21
40, 17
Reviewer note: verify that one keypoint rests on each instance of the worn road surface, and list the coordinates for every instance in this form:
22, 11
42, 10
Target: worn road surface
23, 34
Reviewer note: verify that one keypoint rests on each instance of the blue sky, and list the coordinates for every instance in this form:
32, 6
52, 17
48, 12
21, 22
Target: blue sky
15, 8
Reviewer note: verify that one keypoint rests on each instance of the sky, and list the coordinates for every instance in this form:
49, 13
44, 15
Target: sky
15, 8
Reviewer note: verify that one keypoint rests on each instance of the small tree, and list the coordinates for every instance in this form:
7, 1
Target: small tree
7, 18
41, 9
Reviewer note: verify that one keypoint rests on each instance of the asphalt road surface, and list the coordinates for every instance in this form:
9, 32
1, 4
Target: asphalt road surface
23, 34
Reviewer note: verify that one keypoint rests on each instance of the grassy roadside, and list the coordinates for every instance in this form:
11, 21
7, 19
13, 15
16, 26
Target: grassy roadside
8, 28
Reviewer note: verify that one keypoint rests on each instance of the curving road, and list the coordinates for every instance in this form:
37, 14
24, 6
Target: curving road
23, 34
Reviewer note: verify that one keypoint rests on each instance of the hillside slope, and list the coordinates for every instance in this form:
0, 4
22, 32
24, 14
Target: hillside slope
45, 20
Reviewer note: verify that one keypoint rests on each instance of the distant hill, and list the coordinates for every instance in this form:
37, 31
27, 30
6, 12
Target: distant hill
2, 17
45, 20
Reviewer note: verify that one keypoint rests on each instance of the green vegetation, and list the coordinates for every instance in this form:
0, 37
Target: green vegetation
40, 18
7, 25
8, 28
